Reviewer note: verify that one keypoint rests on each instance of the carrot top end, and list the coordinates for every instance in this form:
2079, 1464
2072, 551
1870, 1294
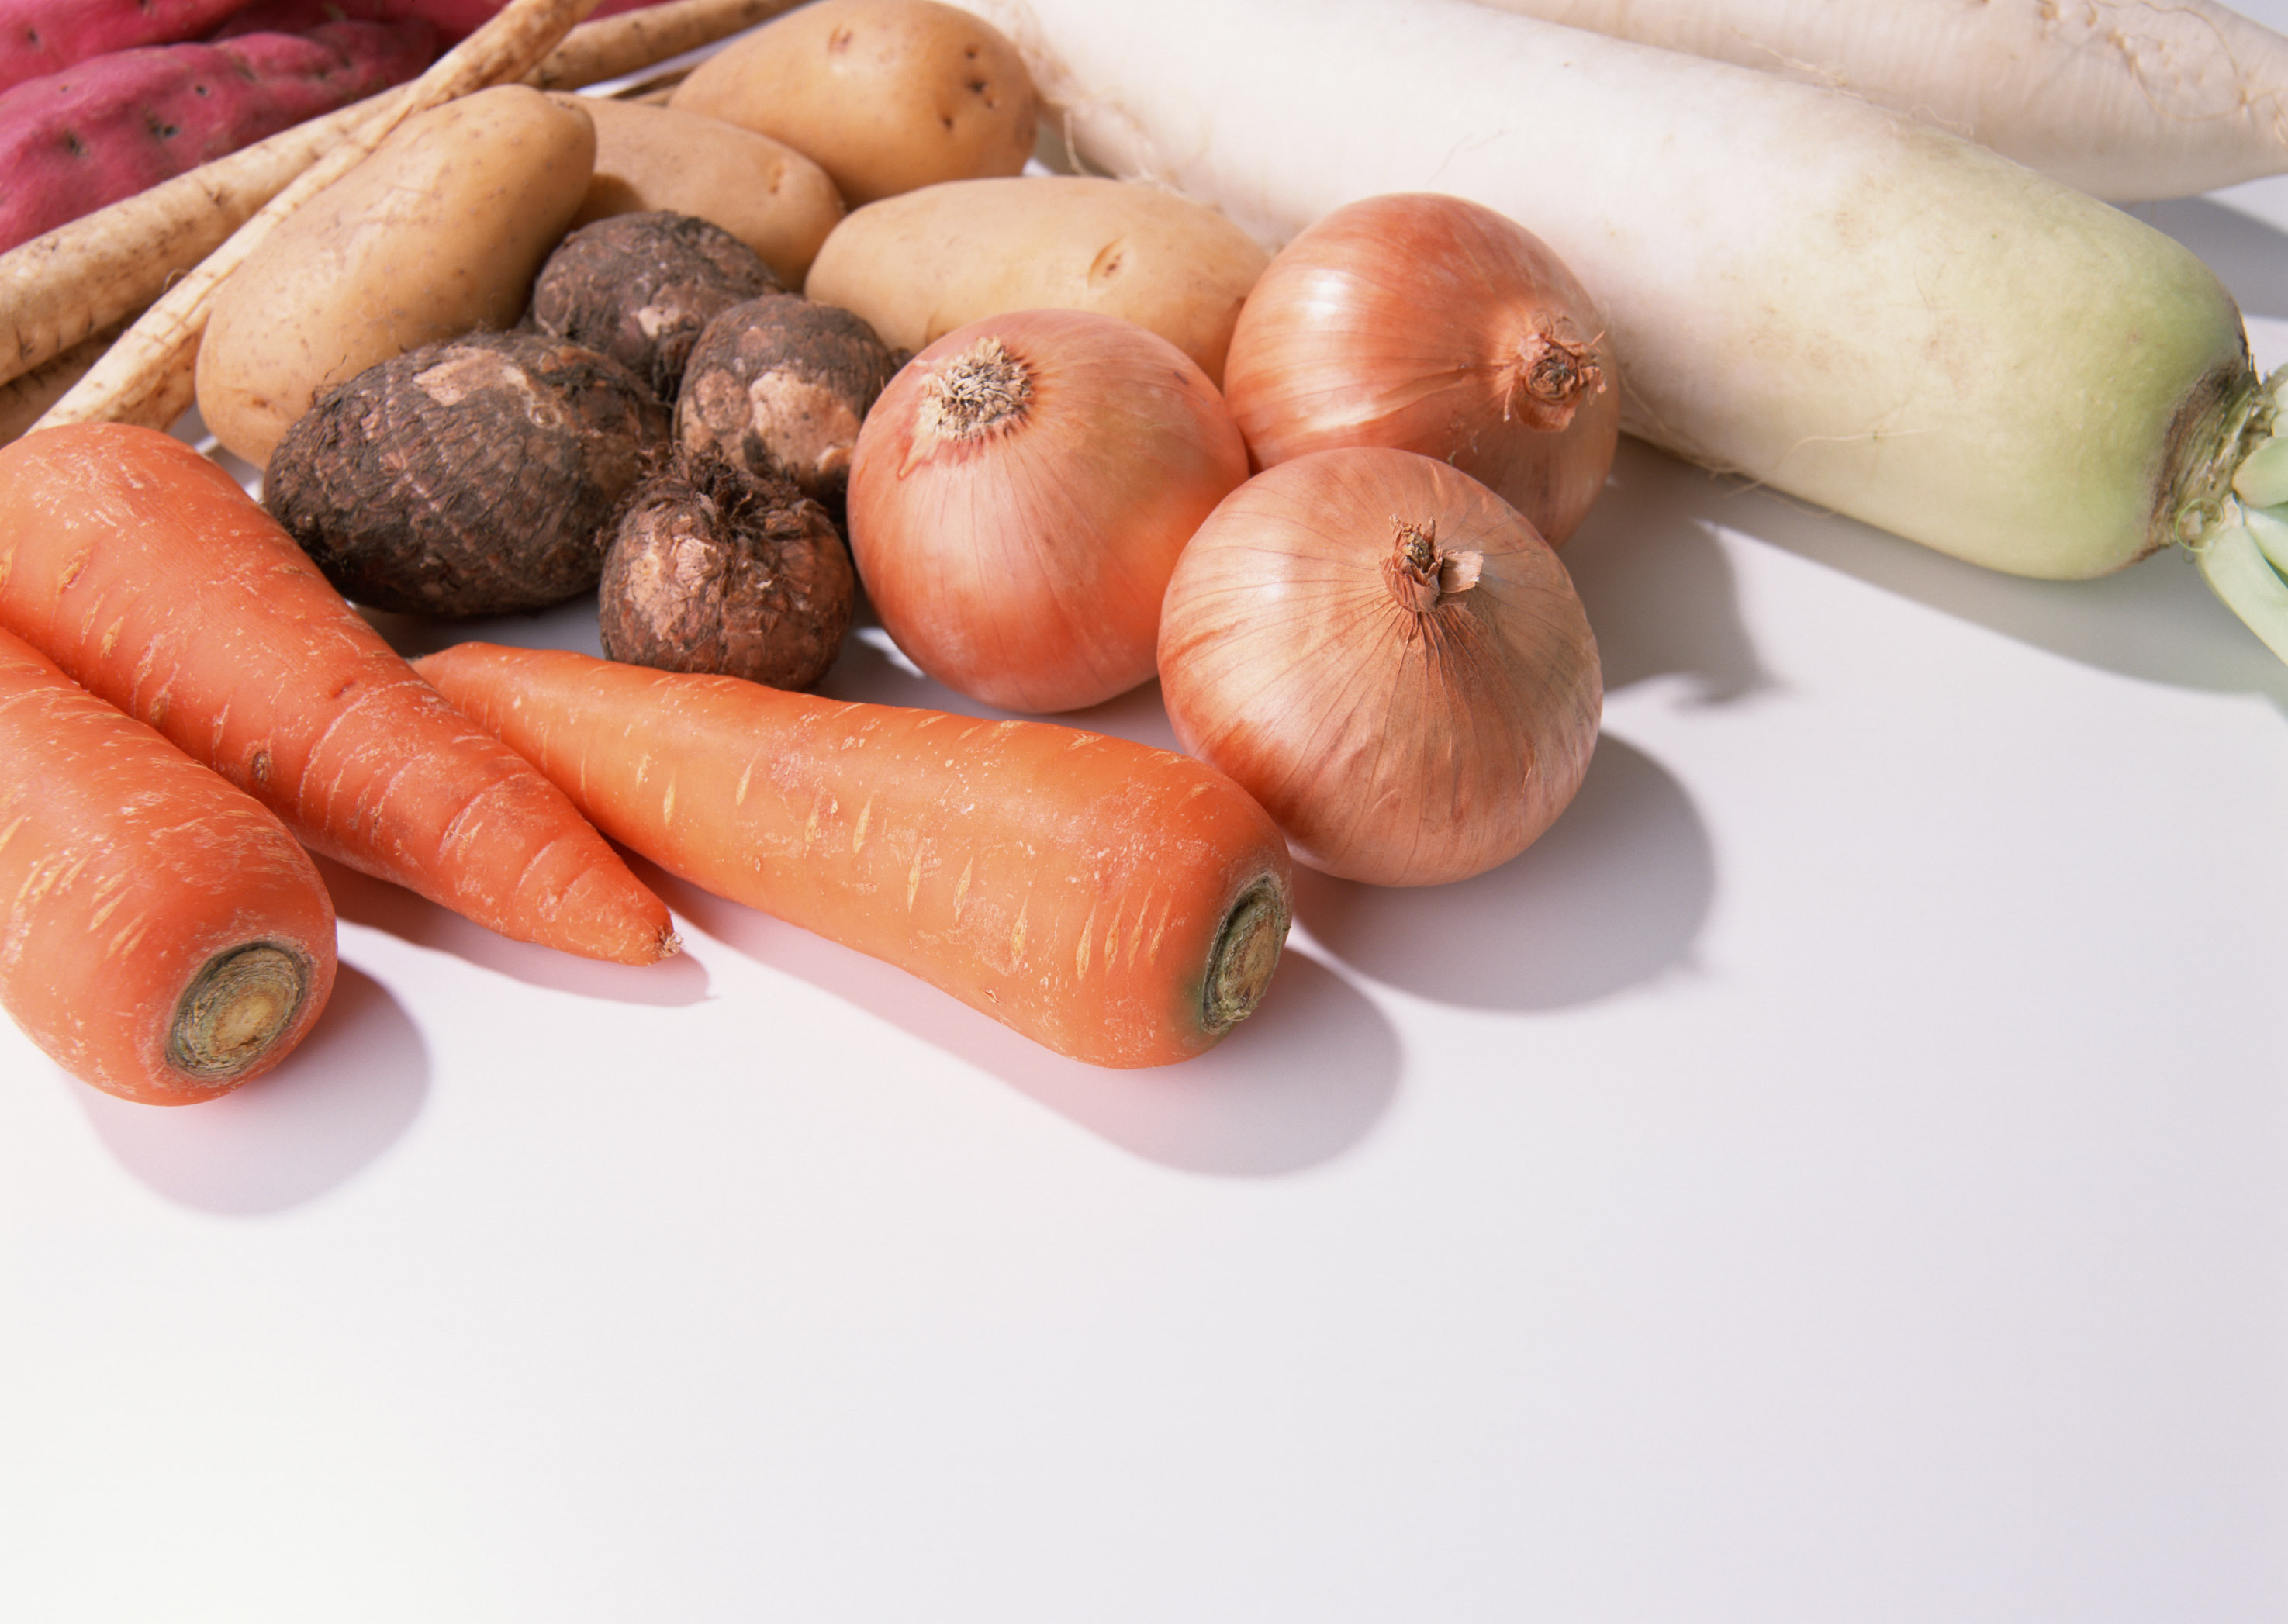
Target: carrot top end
236, 1008
1246, 951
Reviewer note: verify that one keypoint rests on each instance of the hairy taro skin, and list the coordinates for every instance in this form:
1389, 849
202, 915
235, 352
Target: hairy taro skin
474, 476
782, 383
641, 287
711, 569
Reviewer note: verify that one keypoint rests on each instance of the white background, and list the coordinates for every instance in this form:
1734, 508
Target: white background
1837, 1175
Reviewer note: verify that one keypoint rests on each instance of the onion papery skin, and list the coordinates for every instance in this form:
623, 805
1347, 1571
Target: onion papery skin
1391, 744
1404, 320
1025, 566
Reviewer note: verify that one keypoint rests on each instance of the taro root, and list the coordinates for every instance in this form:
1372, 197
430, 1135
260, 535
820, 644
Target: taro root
714, 569
639, 287
473, 476
783, 384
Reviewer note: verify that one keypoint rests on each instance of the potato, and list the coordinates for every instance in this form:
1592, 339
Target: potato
886, 95
919, 265
763, 192
438, 233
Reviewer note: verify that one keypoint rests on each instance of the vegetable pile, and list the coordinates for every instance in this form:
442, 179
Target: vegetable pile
745, 346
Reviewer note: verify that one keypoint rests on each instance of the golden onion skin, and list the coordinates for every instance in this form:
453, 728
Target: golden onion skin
1403, 727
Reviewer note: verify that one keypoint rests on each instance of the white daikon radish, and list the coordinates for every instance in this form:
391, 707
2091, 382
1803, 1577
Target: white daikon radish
1803, 287
2128, 99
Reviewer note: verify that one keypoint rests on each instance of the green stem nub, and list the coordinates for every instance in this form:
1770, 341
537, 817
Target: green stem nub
235, 1009
2241, 538
2237, 571
1246, 951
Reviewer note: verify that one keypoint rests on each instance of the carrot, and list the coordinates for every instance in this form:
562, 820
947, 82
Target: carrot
1123, 905
161, 935
148, 574
105, 267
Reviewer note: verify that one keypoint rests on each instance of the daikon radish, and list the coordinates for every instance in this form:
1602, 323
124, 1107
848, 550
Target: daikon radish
1803, 288
2127, 100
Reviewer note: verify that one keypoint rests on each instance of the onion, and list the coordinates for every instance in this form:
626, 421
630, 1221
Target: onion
1020, 493
1389, 658
1431, 324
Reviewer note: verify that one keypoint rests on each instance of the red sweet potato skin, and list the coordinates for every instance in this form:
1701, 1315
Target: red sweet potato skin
73, 141
453, 20
46, 37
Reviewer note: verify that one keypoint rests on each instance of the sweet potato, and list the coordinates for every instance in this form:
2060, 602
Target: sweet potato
92, 134
46, 37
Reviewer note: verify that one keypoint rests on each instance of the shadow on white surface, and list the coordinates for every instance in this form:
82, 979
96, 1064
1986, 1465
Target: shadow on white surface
378, 904
1300, 1081
2156, 621
1658, 590
1611, 896
1660, 595
328, 1110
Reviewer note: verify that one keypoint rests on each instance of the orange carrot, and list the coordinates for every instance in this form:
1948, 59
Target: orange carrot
155, 582
1121, 904
161, 935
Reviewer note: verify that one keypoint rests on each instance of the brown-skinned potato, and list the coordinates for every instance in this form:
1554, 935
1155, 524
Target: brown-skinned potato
885, 95
439, 232
918, 265
763, 192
